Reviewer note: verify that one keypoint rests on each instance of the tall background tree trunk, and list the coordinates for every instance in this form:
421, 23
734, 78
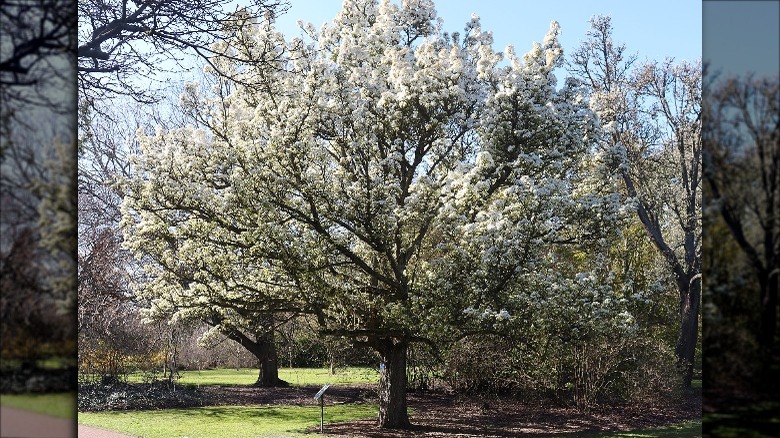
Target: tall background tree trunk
392, 385
769, 285
689, 329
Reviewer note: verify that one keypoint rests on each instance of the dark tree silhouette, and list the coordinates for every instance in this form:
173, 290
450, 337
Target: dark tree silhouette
743, 175
122, 43
34, 32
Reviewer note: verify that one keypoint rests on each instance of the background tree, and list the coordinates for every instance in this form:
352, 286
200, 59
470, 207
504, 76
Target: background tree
121, 42
37, 222
124, 43
34, 324
37, 56
35, 145
653, 114
107, 139
423, 197
743, 175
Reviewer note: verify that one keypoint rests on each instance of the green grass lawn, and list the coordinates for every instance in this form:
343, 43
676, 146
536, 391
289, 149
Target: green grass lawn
51, 363
757, 420
295, 376
62, 405
321, 376
282, 421
691, 429
225, 421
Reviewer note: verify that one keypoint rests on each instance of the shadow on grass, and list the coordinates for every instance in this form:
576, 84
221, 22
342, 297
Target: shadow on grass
224, 421
684, 430
756, 420
247, 413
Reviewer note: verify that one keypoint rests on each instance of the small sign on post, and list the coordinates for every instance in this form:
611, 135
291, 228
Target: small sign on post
321, 397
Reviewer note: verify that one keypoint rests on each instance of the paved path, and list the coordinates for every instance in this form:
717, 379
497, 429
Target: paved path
17, 423
94, 432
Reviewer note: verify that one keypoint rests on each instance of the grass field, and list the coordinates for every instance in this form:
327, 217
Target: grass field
225, 421
690, 429
282, 421
62, 405
51, 363
757, 420
285, 421
295, 376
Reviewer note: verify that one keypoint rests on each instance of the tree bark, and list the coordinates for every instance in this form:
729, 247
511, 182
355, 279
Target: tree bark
269, 365
769, 286
392, 385
263, 348
688, 281
689, 328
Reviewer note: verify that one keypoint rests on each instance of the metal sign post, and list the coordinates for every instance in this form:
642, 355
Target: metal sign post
321, 397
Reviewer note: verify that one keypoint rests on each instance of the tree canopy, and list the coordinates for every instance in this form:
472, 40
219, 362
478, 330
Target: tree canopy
399, 183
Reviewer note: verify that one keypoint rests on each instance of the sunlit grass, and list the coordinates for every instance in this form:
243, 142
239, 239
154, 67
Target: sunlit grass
51, 363
225, 421
754, 420
691, 429
295, 376
62, 405
321, 376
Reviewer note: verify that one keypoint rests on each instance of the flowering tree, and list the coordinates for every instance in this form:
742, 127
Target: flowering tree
652, 113
394, 181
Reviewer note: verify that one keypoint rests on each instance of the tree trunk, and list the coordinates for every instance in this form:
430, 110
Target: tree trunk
768, 311
392, 385
689, 328
269, 365
263, 347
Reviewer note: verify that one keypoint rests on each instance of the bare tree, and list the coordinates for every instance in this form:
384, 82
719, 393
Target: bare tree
124, 43
37, 219
38, 46
743, 174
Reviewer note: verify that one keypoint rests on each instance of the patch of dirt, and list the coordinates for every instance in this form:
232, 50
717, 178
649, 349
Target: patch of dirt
442, 415
141, 396
434, 414
32, 380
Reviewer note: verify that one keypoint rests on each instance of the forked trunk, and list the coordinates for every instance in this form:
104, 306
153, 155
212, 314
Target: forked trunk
392, 386
263, 348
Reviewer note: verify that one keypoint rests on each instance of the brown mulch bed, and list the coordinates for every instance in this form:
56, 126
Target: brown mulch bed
433, 414
443, 415
142, 396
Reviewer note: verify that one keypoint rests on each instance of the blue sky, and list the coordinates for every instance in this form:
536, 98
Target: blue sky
653, 30
742, 36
